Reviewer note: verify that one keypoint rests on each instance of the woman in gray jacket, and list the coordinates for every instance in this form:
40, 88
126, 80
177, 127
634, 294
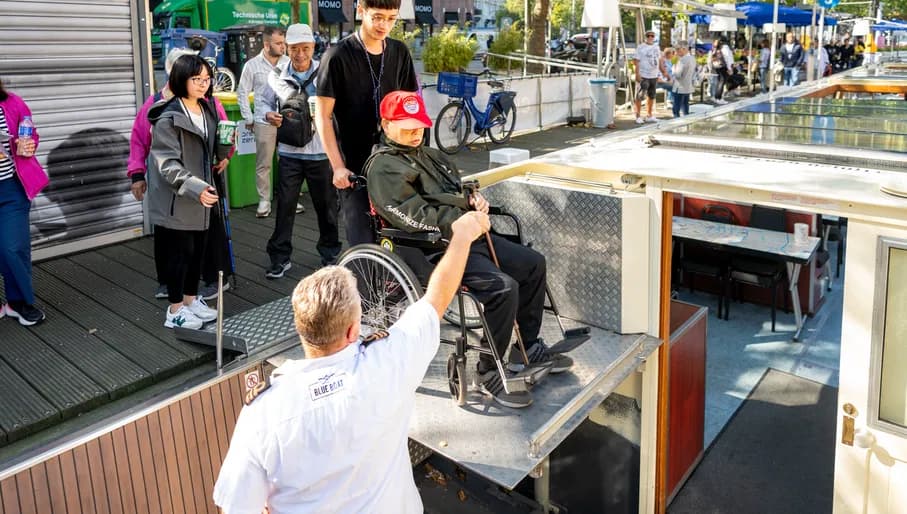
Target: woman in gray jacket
183, 152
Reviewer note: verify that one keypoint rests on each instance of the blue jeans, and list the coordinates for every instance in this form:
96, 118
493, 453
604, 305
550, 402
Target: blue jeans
791, 74
669, 95
15, 242
763, 79
681, 104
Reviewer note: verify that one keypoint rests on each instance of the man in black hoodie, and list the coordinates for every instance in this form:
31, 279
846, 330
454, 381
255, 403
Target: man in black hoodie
417, 189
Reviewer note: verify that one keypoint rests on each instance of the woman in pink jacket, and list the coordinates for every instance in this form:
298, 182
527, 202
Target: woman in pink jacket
21, 179
137, 166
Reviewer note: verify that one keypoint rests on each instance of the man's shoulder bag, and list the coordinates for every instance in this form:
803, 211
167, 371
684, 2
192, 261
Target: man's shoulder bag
297, 127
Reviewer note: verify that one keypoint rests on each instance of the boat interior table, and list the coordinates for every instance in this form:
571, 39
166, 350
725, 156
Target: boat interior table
754, 242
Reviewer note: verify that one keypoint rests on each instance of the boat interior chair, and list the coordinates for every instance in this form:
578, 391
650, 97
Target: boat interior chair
758, 272
709, 260
391, 275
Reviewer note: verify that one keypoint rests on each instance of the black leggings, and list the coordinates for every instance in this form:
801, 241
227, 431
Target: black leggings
182, 252
217, 254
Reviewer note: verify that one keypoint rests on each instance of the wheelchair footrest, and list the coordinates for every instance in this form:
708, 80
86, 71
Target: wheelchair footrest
529, 376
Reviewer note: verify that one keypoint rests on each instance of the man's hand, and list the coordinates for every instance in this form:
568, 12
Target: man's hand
138, 189
342, 178
471, 225
222, 165
274, 118
478, 202
250, 125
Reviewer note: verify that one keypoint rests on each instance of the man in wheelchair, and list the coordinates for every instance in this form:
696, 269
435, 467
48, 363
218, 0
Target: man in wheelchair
417, 189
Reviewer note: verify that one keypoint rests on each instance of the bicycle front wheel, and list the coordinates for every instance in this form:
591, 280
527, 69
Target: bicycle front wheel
452, 127
501, 125
224, 80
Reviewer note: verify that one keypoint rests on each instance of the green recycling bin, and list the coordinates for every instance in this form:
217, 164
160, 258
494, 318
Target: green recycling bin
241, 187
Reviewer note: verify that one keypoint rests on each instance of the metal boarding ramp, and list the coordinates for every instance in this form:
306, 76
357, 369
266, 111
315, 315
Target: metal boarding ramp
506, 445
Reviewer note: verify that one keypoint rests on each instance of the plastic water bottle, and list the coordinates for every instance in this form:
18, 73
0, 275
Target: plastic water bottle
26, 134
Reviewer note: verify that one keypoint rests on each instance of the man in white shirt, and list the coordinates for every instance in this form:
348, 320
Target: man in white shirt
329, 432
647, 73
254, 78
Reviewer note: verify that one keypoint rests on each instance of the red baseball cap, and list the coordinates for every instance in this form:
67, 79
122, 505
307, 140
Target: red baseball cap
406, 109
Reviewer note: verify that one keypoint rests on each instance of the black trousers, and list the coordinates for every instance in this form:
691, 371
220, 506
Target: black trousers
216, 255
182, 252
723, 76
356, 218
290, 175
516, 291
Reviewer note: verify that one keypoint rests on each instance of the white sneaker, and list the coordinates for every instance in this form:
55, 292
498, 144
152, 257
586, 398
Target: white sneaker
639, 120
300, 208
651, 119
720, 102
201, 310
183, 317
264, 209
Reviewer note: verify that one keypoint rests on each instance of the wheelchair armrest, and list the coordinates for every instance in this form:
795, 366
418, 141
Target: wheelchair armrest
497, 210
402, 235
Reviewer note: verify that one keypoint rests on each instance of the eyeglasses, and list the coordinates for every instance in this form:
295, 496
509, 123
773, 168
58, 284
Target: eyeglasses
200, 81
379, 19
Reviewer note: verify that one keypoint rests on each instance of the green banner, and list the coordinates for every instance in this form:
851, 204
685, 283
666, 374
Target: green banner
224, 13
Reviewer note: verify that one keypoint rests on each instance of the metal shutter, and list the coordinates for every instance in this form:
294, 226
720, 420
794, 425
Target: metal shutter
81, 65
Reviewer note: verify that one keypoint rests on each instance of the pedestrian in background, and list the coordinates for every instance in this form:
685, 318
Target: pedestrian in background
765, 66
354, 76
300, 160
254, 78
137, 167
21, 179
791, 59
648, 69
684, 71
180, 187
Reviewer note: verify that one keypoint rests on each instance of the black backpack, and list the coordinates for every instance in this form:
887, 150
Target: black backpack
297, 128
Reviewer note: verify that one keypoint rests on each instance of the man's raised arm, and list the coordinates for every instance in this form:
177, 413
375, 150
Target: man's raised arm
448, 274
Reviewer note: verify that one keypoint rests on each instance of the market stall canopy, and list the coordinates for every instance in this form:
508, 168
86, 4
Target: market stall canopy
760, 13
893, 26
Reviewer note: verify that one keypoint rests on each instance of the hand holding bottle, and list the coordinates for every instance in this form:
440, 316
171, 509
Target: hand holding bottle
25, 144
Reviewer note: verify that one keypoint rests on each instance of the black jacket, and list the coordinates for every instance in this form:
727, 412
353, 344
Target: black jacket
793, 58
415, 189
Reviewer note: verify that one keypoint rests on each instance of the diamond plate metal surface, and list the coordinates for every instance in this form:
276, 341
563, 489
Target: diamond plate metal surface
579, 232
504, 444
262, 326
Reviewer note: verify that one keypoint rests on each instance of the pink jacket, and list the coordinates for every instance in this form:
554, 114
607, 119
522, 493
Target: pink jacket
140, 141
30, 173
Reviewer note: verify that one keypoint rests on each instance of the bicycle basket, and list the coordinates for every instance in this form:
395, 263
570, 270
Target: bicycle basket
457, 85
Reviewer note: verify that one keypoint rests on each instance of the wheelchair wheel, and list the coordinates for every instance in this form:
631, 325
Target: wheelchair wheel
452, 314
456, 379
386, 284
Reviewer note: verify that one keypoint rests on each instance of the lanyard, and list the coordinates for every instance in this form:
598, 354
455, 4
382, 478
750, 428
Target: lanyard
376, 79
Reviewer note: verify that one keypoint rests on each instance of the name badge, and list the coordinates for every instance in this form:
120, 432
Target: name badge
327, 385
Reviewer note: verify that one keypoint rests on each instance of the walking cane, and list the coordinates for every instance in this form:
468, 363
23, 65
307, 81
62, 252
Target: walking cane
470, 187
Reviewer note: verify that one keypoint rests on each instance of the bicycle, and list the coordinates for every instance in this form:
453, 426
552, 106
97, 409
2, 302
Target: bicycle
224, 79
454, 121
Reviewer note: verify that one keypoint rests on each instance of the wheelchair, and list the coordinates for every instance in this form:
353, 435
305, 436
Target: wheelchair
388, 285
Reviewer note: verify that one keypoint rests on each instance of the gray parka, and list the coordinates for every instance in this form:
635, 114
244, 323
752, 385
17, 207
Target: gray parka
180, 166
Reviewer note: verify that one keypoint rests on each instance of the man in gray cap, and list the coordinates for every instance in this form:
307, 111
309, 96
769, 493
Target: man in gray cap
301, 156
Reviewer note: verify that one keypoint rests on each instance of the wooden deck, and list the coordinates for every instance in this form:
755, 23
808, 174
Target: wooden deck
104, 337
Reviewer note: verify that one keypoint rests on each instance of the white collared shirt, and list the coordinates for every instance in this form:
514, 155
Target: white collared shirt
330, 433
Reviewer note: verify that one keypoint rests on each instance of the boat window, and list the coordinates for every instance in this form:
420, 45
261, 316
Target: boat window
891, 325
